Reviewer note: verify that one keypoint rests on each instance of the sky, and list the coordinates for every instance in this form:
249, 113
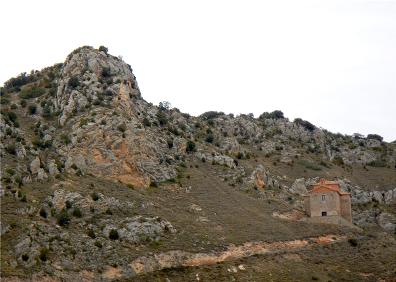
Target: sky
332, 63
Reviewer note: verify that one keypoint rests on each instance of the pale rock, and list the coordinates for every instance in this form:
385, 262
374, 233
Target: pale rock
27, 179
41, 175
299, 187
387, 221
47, 137
35, 165
377, 195
20, 152
52, 168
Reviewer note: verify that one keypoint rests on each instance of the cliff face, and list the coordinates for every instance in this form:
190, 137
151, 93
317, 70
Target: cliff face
81, 147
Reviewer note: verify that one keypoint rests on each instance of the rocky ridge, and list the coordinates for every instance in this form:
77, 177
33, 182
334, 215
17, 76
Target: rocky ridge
86, 118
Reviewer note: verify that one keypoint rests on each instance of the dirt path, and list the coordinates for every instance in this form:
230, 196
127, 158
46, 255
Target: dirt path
175, 259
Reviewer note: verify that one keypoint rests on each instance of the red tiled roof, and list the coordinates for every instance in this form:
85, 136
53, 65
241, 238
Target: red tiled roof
327, 186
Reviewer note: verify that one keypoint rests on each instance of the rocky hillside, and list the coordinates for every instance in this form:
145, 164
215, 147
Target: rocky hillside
81, 148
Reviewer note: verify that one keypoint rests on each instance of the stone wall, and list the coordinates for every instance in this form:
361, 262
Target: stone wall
346, 207
331, 204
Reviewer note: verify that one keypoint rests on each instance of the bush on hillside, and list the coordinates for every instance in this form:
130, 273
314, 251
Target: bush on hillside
32, 109
103, 49
273, 115
73, 82
31, 92
190, 147
306, 124
375, 136
211, 115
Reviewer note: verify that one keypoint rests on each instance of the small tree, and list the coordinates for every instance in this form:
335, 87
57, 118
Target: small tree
73, 82
32, 109
190, 147
375, 136
164, 106
77, 212
63, 218
209, 138
103, 49
113, 234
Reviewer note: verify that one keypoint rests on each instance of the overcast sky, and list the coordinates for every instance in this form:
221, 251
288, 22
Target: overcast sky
330, 62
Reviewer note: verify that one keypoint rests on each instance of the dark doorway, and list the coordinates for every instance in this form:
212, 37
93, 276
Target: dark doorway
324, 213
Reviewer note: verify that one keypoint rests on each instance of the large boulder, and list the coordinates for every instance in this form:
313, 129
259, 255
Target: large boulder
387, 221
35, 165
299, 187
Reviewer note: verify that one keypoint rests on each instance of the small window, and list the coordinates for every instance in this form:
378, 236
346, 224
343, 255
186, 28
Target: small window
324, 213
323, 198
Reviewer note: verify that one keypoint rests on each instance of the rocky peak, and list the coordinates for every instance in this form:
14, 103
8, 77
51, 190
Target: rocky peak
90, 76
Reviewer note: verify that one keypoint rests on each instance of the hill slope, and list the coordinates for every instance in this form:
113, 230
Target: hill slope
94, 177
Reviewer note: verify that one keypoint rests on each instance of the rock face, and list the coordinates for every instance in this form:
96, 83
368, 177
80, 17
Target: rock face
110, 143
301, 185
86, 75
359, 196
140, 229
387, 221
262, 178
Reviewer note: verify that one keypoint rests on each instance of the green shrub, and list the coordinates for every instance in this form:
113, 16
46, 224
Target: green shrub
43, 254
106, 72
46, 111
306, 124
154, 184
65, 138
83, 121
38, 142
63, 218
337, 160
103, 49
95, 196
375, 136
211, 115
98, 244
10, 117
73, 82
113, 234
68, 204
25, 257
170, 143
377, 163
4, 100
19, 81
122, 127
10, 148
209, 138
146, 122
190, 147
353, 242
91, 233
32, 109
23, 103
162, 119
273, 115
309, 165
43, 213
31, 92
77, 212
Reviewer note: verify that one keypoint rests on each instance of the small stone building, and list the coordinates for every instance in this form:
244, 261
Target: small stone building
326, 203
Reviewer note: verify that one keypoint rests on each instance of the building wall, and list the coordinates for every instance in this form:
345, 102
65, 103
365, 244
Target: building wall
346, 207
331, 204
